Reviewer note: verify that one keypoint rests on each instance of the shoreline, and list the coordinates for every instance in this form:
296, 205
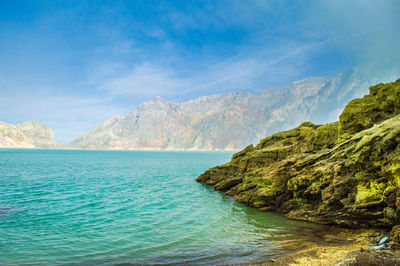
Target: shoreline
334, 245
93, 149
337, 246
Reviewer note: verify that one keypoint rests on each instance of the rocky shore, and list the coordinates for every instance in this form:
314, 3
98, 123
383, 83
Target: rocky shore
345, 173
341, 247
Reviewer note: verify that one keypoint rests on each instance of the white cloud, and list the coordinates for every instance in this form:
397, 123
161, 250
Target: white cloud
144, 80
240, 72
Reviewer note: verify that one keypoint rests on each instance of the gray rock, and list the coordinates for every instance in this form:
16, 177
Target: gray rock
383, 240
26, 135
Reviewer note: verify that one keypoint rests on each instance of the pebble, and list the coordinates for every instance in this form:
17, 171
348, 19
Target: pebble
383, 240
383, 245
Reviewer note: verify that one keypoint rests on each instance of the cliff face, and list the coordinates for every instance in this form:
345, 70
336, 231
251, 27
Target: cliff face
232, 121
26, 135
344, 173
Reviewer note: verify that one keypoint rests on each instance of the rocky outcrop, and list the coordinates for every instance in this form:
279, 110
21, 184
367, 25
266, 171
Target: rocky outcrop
345, 173
26, 135
232, 121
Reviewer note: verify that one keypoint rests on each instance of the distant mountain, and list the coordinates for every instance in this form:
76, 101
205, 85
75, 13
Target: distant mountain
26, 135
234, 120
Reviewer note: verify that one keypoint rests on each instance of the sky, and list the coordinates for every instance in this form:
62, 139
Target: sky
72, 64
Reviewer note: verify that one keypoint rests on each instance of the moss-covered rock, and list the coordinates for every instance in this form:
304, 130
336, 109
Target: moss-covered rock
383, 102
345, 173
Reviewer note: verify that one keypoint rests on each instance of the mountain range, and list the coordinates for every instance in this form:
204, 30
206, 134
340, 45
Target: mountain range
234, 120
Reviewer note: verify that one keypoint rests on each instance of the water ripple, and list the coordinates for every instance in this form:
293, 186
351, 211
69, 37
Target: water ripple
109, 207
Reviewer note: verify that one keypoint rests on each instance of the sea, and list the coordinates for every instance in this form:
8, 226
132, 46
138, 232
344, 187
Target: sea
94, 207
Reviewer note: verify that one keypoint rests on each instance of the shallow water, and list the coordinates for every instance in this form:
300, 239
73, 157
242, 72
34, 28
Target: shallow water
141, 207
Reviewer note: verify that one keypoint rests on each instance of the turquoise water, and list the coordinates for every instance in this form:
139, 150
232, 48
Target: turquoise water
111, 207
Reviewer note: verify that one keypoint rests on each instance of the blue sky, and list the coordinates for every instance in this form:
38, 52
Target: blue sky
72, 64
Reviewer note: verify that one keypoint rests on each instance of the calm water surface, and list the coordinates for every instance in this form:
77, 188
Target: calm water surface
110, 207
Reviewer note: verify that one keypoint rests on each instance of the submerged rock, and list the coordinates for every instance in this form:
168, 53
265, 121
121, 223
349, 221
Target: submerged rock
345, 173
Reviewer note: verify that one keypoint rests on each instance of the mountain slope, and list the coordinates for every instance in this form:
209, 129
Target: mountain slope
232, 121
26, 135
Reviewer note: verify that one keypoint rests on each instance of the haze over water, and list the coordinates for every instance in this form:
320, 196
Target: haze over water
110, 207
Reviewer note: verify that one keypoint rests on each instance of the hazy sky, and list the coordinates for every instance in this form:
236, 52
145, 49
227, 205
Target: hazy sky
72, 64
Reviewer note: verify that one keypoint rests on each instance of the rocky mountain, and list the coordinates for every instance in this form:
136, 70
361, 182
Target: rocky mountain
26, 135
344, 173
234, 120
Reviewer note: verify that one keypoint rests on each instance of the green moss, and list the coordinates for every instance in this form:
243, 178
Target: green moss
369, 194
365, 141
243, 152
264, 196
308, 124
309, 160
326, 136
382, 103
298, 184
395, 170
264, 183
307, 187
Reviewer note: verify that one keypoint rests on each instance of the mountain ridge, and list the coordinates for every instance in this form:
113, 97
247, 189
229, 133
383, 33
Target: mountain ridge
231, 121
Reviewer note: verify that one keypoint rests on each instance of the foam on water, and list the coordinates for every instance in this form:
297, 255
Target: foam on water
110, 207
